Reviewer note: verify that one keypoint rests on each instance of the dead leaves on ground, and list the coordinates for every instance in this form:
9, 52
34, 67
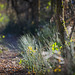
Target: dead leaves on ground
9, 62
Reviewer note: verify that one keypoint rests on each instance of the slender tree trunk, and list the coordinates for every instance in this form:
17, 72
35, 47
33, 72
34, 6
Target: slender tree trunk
60, 19
61, 30
35, 12
39, 11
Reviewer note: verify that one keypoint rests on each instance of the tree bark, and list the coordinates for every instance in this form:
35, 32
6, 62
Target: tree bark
60, 19
61, 29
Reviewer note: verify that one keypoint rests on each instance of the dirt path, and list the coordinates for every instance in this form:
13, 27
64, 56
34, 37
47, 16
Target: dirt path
10, 41
10, 56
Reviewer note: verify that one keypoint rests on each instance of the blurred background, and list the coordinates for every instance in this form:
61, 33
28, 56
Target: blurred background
45, 25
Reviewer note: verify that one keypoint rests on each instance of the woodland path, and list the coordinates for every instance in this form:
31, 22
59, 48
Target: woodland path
10, 56
11, 41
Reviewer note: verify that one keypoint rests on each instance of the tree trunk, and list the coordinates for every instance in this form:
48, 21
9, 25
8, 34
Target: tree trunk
60, 19
35, 12
61, 29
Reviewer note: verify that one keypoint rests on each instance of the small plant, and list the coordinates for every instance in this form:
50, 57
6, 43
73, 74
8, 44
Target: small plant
41, 54
56, 46
32, 57
36, 57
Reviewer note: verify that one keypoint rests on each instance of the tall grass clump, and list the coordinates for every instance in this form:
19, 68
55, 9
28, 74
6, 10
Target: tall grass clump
38, 51
31, 52
48, 34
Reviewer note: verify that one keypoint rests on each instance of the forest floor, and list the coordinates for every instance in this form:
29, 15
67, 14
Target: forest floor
10, 57
9, 62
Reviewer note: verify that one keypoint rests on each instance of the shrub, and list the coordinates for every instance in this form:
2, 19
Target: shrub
41, 53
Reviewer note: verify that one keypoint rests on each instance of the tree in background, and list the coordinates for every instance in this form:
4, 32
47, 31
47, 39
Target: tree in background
61, 6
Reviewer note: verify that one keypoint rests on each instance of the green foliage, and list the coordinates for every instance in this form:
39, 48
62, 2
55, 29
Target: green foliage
1, 51
3, 18
2, 37
3, 21
56, 46
0, 14
32, 57
2, 6
47, 34
49, 4
20, 61
32, 50
73, 73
